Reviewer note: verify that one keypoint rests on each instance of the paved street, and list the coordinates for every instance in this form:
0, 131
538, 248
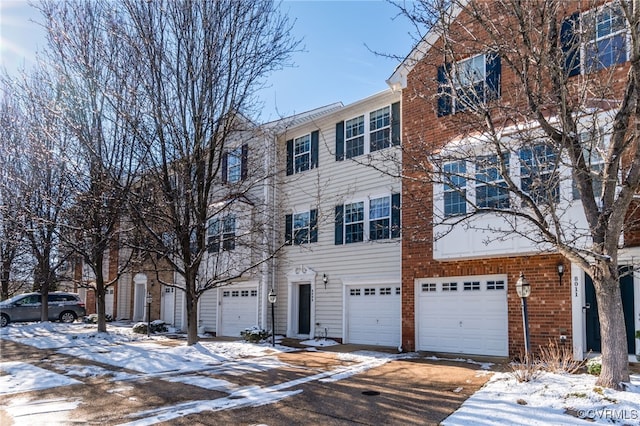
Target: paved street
306, 387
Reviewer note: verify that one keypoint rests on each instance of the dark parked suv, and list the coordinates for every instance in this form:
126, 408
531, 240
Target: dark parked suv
65, 307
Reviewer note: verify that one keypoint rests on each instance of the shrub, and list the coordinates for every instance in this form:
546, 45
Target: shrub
157, 326
93, 318
556, 358
526, 370
254, 334
594, 366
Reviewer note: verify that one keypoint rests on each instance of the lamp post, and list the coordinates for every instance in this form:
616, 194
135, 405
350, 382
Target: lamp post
523, 288
148, 313
560, 271
272, 300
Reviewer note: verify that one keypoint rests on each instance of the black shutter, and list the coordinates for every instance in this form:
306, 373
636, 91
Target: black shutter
395, 215
289, 157
395, 124
313, 224
493, 68
444, 92
340, 141
225, 160
570, 42
315, 136
339, 237
288, 229
244, 162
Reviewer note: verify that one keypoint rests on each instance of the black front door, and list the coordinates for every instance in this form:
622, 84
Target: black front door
591, 310
304, 309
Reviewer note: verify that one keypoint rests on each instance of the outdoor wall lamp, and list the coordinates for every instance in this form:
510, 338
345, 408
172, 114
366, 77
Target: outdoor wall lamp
325, 280
523, 288
560, 271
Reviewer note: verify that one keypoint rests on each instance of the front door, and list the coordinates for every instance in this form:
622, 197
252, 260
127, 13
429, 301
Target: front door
591, 312
304, 309
168, 303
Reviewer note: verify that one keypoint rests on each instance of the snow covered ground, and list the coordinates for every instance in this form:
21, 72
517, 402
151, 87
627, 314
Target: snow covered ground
558, 399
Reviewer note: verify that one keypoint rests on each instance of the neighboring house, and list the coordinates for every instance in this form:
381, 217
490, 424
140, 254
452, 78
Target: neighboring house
458, 293
339, 274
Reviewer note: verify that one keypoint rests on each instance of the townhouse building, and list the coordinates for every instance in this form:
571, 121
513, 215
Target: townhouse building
459, 269
338, 275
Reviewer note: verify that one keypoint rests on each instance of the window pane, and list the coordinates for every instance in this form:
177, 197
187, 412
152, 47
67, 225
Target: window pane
379, 218
301, 224
491, 191
302, 153
234, 165
454, 188
354, 137
538, 176
354, 222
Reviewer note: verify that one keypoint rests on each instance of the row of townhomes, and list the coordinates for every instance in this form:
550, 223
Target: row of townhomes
363, 255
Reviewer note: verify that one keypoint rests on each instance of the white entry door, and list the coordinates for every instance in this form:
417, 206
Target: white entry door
373, 314
465, 315
108, 301
238, 309
168, 304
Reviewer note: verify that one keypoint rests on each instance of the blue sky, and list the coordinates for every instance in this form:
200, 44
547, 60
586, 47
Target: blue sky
336, 64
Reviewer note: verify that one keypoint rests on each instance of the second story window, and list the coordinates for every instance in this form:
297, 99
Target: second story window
221, 234
367, 133
301, 228
538, 173
354, 222
368, 220
455, 192
302, 153
491, 191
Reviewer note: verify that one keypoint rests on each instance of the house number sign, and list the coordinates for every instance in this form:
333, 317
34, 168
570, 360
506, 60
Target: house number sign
575, 286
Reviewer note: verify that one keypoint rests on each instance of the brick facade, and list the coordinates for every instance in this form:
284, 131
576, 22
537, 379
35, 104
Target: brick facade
550, 311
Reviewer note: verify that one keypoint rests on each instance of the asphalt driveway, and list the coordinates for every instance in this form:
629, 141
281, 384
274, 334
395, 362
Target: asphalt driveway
418, 390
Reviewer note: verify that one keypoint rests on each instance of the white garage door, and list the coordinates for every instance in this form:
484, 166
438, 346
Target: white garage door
373, 315
463, 315
239, 310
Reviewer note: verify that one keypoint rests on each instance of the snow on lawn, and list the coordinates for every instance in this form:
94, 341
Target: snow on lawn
551, 399
22, 377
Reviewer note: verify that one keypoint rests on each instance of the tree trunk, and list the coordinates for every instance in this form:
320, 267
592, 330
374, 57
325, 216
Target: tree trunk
4, 279
615, 359
100, 308
192, 317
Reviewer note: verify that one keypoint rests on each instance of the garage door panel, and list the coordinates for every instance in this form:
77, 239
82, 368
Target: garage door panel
373, 314
238, 310
472, 321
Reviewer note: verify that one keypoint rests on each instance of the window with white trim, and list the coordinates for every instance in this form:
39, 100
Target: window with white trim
380, 129
491, 191
301, 227
354, 137
538, 173
379, 218
302, 153
605, 37
368, 220
367, 133
221, 234
234, 165
354, 222
455, 192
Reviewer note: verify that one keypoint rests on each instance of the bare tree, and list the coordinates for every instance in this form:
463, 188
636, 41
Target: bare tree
200, 64
11, 239
40, 178
97, 105
550, 151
